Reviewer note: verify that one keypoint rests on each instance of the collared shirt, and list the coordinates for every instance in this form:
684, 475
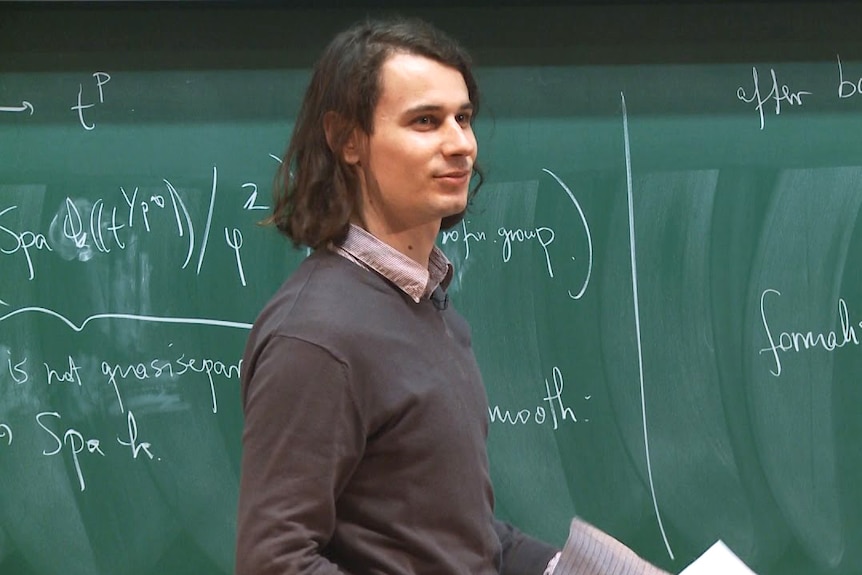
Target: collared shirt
363, 248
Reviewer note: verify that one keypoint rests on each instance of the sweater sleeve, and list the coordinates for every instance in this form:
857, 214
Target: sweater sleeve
522, 554
301, 440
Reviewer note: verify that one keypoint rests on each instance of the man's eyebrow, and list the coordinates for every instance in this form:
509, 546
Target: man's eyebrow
426, 108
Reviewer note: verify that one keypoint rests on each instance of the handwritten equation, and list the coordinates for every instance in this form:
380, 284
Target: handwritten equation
82, 229
97, 82
101, 78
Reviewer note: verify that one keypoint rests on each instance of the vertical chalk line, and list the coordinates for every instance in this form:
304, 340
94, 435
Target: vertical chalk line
209, 221
638, 319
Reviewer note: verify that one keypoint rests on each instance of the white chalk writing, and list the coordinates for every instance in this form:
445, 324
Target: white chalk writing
778, 93
558, 410
101, 79
798, 341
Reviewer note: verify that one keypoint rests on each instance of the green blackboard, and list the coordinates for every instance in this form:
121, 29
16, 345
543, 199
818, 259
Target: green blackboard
662, 272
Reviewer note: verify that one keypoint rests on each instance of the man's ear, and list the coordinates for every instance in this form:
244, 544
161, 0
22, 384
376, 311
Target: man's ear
333, 127
352, 147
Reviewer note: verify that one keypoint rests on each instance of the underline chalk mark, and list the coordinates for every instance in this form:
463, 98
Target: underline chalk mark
127, 316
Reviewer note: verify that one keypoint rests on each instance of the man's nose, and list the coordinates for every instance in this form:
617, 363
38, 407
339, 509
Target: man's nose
459, 140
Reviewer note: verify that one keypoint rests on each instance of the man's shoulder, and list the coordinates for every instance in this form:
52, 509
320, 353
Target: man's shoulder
326, 294
326, 280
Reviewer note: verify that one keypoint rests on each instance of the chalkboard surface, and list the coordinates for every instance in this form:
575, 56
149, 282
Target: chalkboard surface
662, 273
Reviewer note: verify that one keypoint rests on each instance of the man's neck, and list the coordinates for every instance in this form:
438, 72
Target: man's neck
415, 243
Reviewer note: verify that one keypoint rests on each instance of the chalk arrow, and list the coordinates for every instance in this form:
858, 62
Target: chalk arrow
25, 105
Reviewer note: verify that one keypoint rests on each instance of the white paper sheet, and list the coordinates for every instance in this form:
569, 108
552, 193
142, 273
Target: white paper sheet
718, 560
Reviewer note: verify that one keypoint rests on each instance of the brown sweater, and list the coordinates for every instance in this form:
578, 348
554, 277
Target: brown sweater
364, 441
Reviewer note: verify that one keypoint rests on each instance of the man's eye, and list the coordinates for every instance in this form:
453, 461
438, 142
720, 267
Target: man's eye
424, 120
464, 119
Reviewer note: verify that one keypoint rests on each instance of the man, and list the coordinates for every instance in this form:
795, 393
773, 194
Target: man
365, 414
366, 418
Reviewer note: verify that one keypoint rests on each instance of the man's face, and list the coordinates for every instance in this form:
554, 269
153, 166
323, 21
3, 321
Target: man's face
417, 163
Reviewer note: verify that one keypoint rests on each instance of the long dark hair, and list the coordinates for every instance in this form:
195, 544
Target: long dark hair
316, 191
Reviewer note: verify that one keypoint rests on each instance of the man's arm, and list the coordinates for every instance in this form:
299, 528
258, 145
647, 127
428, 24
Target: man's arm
589, 550
302, 438
522, 554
